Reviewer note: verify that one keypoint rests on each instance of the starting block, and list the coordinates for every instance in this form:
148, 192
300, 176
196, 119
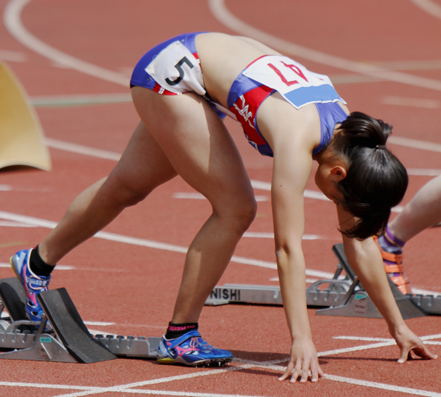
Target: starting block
343, 295
61, 336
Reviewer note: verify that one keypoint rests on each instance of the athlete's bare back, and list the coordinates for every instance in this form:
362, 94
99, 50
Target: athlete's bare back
223, 57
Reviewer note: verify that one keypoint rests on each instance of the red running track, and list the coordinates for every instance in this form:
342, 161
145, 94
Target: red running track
129, 289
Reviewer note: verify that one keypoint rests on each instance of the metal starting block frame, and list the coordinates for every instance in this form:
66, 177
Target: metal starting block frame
61, 336
335, 297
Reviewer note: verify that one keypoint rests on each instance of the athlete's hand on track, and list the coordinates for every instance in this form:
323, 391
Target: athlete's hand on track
303, 363
408, 342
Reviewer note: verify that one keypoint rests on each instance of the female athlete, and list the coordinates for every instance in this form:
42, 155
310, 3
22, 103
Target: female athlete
181, 89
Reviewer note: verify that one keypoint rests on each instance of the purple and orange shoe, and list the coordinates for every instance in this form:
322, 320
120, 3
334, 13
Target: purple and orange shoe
393, 265
32, 283
190, 349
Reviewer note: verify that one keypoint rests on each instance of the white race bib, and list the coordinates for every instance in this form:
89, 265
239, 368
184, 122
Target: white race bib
177, 70
297, 84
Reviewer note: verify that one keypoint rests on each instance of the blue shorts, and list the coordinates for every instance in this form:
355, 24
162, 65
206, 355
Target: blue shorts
141, 78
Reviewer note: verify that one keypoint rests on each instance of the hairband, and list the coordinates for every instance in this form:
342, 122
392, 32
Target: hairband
380, 147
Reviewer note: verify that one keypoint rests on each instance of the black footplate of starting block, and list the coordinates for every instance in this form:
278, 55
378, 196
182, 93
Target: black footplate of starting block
61, 335
70, 329
339, 296
13, 296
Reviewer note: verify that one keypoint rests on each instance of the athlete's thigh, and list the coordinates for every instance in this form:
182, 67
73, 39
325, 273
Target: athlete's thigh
196, 143
142, 166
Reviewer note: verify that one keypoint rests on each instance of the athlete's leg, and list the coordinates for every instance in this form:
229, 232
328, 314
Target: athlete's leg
201, 150
423, 211
142, 167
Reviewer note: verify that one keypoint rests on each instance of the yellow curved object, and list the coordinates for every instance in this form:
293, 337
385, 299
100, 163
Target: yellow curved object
21, 135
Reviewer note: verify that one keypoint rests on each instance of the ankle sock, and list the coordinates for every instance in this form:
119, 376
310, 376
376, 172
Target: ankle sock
38, 266
176, 330
391, 243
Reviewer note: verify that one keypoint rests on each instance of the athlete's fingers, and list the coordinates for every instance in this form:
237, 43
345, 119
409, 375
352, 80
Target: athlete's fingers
296, 373
405, 355
316, 373
304, 374
421, 351
425, 353
288, 371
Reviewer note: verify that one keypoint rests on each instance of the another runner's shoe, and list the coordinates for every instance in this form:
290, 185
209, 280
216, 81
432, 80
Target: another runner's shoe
393, 264
32, 283
190, 349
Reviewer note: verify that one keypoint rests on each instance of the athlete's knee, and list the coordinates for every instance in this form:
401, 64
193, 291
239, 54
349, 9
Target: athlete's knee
248, 215
240, 213
124, 194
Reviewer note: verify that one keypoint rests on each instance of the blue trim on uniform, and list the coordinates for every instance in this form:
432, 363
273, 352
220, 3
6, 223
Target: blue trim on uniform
240, 86
331, 113
322, 93
140, 77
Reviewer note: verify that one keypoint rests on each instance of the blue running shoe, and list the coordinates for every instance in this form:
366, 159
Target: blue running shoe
190, 349
32, 283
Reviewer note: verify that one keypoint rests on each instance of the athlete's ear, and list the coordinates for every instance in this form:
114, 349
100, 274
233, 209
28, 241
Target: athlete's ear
337, 173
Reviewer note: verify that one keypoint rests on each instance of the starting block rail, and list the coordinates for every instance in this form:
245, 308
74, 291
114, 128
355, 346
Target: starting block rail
61, 335
343, 295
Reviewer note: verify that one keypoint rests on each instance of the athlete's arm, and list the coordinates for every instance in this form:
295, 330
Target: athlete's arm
290, 139
365, 258
287, 198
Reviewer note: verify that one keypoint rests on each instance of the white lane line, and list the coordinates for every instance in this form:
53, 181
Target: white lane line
383, 386
69, 100
426, 342
426, 338
412, 102
423, 172
81, 149
383, 343
357, 382
356, 348
13, 23
126, 388
271, 236
432, 64
199, 196
170, 247
12, 56
99, 323
14, 224
363, 338
12, 20
108, 155
245, 364
149, 243
415, 143
429, 6
220, 11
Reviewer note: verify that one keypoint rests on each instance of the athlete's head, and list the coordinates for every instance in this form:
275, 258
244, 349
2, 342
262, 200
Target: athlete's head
375, 179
